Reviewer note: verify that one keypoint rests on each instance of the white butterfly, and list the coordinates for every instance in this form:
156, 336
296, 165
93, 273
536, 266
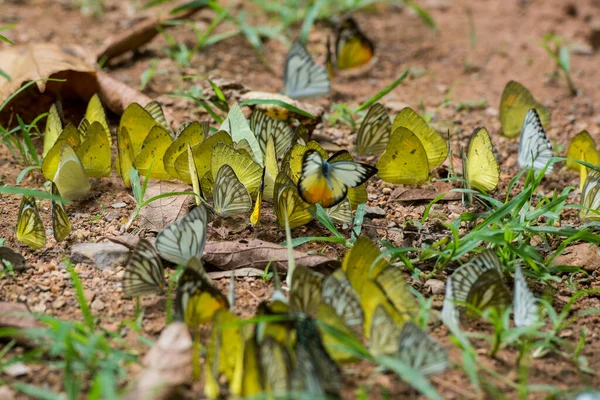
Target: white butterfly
590, 199
183, 239
421, 352
302, 77
535, 149
524, 302
449, 312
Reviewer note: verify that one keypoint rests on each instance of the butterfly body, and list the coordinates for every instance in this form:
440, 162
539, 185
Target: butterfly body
327, 181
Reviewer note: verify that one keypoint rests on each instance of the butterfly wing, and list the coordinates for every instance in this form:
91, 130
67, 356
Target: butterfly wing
582, 147
150, 156
516, 101
341, 213
338, 293
248, 171
54, 128
156, 112
191, 135
313, 185
420, 352
404, 160
385, 333
144, 272
124, 155
483, 170
305, 293
352, 47
230, 196
374, 132
524, 302
302, 77
95, 113
61, 226
30, 228
590, 197
70, 178
94, 152
265, 127
287, 203
183, 239
535, 149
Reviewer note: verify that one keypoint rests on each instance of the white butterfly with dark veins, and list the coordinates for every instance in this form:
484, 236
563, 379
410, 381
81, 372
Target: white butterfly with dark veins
535, 149
524, 302
302, 77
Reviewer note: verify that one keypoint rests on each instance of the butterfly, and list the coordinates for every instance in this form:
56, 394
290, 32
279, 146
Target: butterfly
150, 156
338, 293
30, 228
124, 161
70, 135
305, 292
94, 151
54, 127
70, 178
449, 312
288, 204
138, 122
479, 285
590, 198
535, 149
202, 155
248, 171
301, 76
196, 299
524, 302
183, 239
230, 196
404, 160
582, 147
341, 213
516, 101
61, 226
156, 112
237, 126
327, 182
384, 333
435, 146
374, 132
95, 113
480, 167
419, 351
188, 134
144, 272
335, 333
393, 284
352, 47
255, 216
265, 127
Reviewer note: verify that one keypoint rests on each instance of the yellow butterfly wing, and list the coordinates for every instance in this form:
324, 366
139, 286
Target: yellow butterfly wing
150, 156
94, 152
374, 132
384, 334
138, 123
53, 129
483, 170
265, 127
291, 163
361, 264
271, 167
332, 342
230, 196
190, 135
202, 153
287, 201
30, 228
156, 112
194, 176
516, 101
353, 48
305, 292
357, 195
255, 216
124, 155
404, 160
392, 283
248, 171
435, 146
61, 226
70, 178
69, 135
95, 113
582, 145
341, 213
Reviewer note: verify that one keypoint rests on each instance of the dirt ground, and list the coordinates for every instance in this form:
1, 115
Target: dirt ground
507, 47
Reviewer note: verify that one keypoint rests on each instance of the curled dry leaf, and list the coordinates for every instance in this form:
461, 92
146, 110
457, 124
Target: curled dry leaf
166, 366
18, 317
258, 254
15, 259
160, 213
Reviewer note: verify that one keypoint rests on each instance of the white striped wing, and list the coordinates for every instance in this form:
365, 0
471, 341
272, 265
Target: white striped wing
183, 239
535, 149
524, 302
302, 77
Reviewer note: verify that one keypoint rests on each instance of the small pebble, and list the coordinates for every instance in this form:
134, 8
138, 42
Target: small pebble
120, 204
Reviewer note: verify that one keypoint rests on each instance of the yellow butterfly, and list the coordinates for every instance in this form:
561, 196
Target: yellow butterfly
352, 47
189, 134
333, 342
196, 299
138, 122
404, 160
124, 155
374, 132
265, 127
583, 148
341, 213
327, 182
30, 228
515, 103
590, 198
61, 226
287, 203
70, 178
255, 216
53, 129
95, 113
480, 167
144, 272
305, 292
385, 333
94, 152
248, 171
435, 146
150, 156
230, 196
69, 135
202, 154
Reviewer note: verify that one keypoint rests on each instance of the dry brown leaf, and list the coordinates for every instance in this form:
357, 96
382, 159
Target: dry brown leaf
167, 365
18, 316
160, 213
16, 259
40, 61
412, 194
258, 254
139, 35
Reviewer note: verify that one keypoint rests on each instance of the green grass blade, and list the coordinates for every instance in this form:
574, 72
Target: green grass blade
85, 308
309, 20
6, 189
382, 93
279, 103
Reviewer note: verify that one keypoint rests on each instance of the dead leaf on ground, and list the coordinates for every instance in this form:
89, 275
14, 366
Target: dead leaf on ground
238, 273
139, 34
14, 258
18, 317
258, 254
167, 365
160, 213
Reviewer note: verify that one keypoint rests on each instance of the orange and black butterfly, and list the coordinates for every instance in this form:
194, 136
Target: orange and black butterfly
352, 48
